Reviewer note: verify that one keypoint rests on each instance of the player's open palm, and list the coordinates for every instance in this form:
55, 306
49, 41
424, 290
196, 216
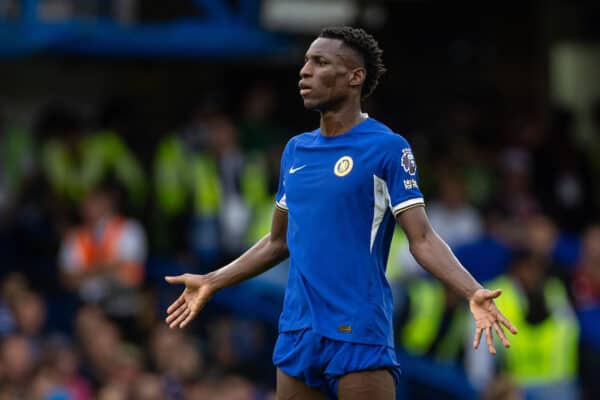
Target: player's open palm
488, 317
196, 294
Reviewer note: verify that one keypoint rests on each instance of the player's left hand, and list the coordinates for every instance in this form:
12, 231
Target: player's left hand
488, 317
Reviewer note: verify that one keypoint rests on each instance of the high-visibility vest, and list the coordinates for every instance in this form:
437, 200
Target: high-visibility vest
255, 191
427, 305
260, 222
544, 352
207, 190
181, 175
98, 155
16, 150
105, 250
61, 171
254, 182
395, 270
171, 176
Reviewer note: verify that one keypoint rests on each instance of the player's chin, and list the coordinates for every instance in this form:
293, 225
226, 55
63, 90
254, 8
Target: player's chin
310, 104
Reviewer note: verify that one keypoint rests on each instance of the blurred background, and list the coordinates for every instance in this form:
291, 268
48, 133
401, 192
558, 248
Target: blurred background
141, 138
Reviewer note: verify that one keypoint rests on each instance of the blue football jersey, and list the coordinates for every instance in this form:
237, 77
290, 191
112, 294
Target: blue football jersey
342, 194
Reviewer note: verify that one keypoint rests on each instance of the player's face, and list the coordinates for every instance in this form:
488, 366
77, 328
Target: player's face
326, 74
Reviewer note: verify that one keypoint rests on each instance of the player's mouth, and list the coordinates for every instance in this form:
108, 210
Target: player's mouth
304, 89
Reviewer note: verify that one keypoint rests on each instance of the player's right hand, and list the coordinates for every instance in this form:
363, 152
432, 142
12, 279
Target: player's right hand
196, 294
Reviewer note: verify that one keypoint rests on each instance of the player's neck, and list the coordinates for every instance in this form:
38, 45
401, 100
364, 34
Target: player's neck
340, 121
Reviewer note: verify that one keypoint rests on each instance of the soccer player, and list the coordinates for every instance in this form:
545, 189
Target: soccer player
342, 187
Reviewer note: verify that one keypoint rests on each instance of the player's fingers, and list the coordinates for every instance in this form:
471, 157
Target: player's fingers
501, 335
188, 319
176, 304
180, 318
490, 340
506, 323
176, 313
492, 294
175, 279
477, 339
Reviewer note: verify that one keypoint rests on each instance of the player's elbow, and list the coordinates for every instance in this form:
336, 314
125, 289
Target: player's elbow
279, 248
282, 251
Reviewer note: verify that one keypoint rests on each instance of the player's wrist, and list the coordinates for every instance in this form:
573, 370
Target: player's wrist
213, 281
473, 291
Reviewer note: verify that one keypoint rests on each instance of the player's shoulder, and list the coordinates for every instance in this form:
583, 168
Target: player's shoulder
301, 138
383, 136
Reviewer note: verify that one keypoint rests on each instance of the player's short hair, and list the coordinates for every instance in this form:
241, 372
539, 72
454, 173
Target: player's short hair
366, 46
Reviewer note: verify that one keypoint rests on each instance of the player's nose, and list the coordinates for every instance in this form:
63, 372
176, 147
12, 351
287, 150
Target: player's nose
305, 71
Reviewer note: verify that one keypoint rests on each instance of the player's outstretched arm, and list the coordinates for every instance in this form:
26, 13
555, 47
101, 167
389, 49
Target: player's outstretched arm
436, 257
266, 253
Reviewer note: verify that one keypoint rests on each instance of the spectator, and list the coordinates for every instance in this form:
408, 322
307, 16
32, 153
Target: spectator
18, 363
545, 365
519, 200
16, 166
204, 165
489, 255
234, 212
150, 387
30, 314
12, 286
586, 284
455, 220
567, 186
64, 362
435, 322
112, 392
75, 161
502, 388
258, 129
103, 258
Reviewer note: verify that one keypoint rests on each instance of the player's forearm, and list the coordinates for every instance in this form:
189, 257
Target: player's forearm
265, 254
433, 254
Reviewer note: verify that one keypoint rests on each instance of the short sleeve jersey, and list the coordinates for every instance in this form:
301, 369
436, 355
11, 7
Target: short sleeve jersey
342, 194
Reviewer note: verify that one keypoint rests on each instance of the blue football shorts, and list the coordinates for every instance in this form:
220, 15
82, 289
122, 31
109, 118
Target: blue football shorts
320, 362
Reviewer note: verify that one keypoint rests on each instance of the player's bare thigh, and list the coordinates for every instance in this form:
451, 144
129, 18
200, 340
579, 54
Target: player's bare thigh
372, 385
289, 388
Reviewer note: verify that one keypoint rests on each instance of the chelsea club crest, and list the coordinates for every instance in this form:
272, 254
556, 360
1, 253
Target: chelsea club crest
343, 166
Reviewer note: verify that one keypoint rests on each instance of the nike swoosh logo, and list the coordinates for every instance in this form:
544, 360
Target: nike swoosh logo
294, 170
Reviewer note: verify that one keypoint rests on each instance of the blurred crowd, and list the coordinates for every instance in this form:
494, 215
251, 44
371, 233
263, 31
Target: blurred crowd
92, 219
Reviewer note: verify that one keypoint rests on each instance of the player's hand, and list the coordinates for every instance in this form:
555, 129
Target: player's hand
488, 317
196, 294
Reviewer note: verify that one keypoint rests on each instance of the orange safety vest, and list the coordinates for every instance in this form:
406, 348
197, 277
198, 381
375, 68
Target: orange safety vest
104, 250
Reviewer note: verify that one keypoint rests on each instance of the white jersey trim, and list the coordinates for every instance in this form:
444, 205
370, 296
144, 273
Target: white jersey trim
381, 202
282, 203
398, 208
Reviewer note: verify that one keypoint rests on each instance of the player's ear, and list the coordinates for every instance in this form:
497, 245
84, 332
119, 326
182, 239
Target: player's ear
357, 76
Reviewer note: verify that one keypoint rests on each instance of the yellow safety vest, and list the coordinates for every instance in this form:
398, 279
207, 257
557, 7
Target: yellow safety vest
16, 150
427, 304
206, 187
255, 192
105, 152
61, 170
74, 175
395, 271
179, 173
545, 352
171, 176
